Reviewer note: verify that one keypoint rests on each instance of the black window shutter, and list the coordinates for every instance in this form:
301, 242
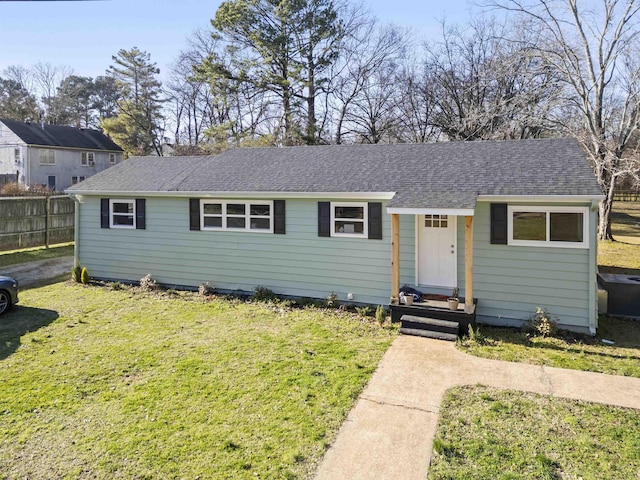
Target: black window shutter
499, 223
194, 214
375, 220
104, 213
324, 219
279, 221
141, 223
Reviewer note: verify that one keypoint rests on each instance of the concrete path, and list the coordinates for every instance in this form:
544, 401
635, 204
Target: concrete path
34, 272
389, 432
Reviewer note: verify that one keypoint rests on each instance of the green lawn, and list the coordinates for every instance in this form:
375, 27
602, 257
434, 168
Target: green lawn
486, 433
15, 257
623, 255
103, 383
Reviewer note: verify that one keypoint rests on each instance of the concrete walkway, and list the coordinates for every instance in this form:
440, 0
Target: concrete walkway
389, 432
34, 272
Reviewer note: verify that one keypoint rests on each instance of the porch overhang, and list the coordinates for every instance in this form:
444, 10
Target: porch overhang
463, 212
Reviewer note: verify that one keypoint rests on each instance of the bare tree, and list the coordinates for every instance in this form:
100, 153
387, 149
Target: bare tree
48, 78
594, 49
485, 86
363, 87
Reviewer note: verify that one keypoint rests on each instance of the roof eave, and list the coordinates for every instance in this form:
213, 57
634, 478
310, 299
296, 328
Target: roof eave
209, 194
539, 198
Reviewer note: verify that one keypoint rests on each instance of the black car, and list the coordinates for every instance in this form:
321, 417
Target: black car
8, 293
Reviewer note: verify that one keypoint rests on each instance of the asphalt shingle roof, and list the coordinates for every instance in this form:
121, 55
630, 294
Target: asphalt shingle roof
60, 136
438, 175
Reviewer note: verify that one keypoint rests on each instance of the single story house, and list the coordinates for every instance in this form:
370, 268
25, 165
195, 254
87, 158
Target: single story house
511, 223
53, 155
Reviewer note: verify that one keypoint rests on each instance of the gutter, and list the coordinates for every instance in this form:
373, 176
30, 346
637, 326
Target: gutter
539, 198
76, 230
262, 195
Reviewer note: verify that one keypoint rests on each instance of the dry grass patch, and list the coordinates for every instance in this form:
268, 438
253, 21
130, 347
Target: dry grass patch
14, 257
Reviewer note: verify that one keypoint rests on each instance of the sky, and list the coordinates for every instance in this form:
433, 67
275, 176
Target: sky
84, 35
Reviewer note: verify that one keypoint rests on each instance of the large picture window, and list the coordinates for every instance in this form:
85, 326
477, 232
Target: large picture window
349, 220
254, 216
123, 214
548, 226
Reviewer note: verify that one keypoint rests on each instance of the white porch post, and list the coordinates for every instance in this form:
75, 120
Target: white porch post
395, 258
468, 265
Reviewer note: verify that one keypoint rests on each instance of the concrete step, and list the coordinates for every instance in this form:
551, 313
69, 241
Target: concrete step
429, 334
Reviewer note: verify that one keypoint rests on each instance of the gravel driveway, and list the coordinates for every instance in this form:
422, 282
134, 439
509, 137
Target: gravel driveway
33, 272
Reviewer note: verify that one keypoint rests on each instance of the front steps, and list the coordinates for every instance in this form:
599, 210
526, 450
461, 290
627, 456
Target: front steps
430, 327
433, 320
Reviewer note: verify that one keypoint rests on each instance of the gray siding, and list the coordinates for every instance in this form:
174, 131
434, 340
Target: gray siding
68, 164
510, 282
299, 263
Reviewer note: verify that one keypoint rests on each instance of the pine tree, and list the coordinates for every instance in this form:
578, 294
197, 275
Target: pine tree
137, 125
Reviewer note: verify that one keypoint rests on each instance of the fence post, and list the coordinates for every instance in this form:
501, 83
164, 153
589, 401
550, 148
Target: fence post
47, 219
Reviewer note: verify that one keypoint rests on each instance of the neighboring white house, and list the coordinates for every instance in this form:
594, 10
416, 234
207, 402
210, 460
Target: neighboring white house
52, 155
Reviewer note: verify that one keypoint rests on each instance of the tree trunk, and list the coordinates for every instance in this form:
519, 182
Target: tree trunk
604, 223
311, 102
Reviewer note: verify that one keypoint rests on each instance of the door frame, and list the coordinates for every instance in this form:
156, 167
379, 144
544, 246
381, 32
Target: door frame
417, 251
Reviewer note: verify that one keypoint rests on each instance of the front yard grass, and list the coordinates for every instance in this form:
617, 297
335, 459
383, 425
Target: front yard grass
623, 255
104, 383
14, 257
500, 434
567, 350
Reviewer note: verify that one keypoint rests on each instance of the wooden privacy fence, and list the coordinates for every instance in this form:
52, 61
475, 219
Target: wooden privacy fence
35, 221
627, 196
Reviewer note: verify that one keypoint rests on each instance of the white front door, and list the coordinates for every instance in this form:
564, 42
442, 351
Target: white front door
437, 250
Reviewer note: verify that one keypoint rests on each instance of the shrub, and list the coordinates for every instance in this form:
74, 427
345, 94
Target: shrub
475, 336
84, 275
332, 300
76, 274
14, 189
541, 324
263, 294
363, 311
205, 289
148, 283
381, 314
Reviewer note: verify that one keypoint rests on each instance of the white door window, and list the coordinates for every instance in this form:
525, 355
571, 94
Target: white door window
437, 250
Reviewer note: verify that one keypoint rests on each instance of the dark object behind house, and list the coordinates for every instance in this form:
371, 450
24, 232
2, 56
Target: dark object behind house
623, 292
8, 293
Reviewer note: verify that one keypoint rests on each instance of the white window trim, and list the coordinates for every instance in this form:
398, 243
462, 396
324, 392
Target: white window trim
113, 156
247, 216
78, 178
121, 200
511, 209
48, 157
365, 219
86, 162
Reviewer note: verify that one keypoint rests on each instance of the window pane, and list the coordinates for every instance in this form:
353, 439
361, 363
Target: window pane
235, 208
427, 223
566, 227
212, 209
349, 212
444, 223
349, 227
235, 222
260, 224
443, 217
530, 226
260, 210
121, 207
123, 220
213, 222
